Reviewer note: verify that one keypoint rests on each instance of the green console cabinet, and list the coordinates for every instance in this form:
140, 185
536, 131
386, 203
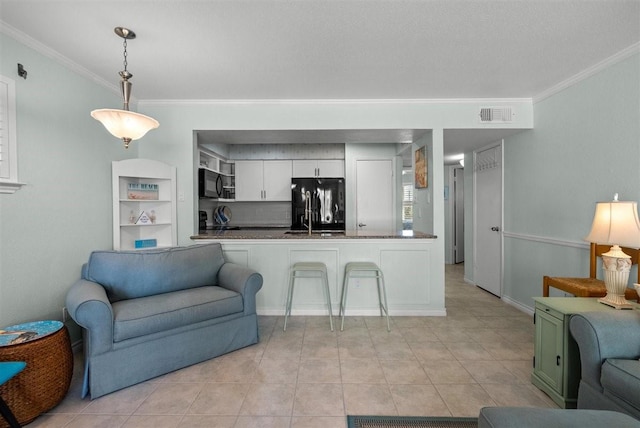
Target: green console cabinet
556, 361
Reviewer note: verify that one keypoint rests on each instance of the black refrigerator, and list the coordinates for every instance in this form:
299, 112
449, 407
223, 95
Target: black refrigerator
327, 203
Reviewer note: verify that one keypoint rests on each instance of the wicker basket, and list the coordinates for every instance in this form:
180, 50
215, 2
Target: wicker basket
44, 382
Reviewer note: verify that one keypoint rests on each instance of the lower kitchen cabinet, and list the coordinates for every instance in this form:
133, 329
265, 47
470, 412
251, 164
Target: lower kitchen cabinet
556, 361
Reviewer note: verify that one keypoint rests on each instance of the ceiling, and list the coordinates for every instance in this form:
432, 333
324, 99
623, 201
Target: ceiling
330, 50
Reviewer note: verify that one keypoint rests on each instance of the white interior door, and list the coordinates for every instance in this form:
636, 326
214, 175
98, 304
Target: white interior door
488, 219
374, 195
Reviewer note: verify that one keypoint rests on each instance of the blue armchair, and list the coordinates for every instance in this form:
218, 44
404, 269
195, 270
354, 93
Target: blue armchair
609, 344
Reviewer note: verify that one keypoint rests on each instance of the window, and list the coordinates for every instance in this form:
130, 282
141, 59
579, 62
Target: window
407, 206
8, 153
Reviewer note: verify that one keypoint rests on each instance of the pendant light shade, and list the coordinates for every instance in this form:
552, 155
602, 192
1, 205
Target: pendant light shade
124, 124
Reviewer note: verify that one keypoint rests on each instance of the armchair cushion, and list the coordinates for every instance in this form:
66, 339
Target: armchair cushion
152, 314
621, 380
132, 274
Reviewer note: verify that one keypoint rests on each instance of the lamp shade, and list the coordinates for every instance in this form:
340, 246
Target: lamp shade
124, 123
616, 223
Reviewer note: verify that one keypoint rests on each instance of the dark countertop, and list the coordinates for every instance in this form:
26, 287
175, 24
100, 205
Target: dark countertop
281, 233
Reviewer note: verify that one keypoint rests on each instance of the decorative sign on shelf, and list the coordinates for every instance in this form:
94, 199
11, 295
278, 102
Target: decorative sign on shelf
146, 218
142, 191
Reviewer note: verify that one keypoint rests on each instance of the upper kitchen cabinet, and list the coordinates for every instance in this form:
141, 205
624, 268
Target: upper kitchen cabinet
258, 180
318, 168
224, 168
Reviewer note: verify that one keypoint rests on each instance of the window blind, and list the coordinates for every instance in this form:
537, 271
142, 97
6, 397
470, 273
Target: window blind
8, 154
407, 203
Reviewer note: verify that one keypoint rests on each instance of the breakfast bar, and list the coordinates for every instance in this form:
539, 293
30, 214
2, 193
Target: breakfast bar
414, 278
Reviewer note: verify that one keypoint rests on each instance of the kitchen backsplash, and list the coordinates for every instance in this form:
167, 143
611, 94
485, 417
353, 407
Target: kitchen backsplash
273, 214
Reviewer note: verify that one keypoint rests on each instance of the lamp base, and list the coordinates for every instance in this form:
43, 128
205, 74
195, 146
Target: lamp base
618, 302
616, 266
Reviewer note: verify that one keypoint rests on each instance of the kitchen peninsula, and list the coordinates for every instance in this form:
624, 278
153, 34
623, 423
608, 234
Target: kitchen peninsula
405, 257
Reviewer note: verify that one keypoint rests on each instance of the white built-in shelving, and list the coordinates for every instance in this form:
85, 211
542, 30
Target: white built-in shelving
223, 167
147, 215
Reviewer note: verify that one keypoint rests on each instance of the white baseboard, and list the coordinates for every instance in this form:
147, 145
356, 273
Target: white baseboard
359, 312
518, 305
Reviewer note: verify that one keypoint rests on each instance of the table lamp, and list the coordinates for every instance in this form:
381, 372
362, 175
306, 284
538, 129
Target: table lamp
616, 223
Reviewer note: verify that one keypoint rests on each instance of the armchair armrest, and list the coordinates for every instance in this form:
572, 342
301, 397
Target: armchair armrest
242, 280
89, 306
602, 335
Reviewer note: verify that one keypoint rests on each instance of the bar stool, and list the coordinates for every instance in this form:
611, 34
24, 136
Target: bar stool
364, 270
307, 270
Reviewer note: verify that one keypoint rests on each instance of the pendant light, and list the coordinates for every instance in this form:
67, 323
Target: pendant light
125, 124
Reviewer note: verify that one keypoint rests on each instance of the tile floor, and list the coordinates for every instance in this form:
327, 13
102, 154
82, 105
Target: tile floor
478, 355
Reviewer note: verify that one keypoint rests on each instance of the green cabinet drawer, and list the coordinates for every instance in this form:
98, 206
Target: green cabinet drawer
541, 307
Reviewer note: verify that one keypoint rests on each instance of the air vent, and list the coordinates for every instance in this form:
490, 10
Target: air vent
496, 115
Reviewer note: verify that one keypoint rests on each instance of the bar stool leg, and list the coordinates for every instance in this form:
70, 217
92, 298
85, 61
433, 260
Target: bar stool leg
325, 279
379, 294
343, 299
287, 309
384, 295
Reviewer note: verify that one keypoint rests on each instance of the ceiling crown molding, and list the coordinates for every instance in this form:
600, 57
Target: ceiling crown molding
585, 74
327, 101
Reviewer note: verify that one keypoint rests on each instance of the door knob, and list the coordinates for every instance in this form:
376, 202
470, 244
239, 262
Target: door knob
495, 229
361, 225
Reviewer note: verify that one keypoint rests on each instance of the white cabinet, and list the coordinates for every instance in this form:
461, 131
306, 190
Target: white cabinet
318, 168
225, 169
249, 181
263, 180
144, 204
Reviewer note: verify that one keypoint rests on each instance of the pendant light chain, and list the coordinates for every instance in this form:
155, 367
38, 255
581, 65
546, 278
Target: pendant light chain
124, 45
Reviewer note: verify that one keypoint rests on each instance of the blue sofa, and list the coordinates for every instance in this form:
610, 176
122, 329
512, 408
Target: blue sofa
609, 344
147, 313
531, 417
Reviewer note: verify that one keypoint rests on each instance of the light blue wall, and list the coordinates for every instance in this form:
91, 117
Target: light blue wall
584, 148
48, 228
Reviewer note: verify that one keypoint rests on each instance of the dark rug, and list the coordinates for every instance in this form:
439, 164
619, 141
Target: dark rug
410, 422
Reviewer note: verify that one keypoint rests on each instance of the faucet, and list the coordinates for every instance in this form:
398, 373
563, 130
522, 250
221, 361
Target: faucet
307, 209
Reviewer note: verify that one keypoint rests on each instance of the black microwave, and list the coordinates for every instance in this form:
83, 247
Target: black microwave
209, 184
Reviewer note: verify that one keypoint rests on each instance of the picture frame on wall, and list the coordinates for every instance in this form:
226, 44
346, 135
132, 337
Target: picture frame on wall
420, 168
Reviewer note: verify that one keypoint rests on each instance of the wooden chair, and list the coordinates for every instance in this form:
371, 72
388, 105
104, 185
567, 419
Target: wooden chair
591, 287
